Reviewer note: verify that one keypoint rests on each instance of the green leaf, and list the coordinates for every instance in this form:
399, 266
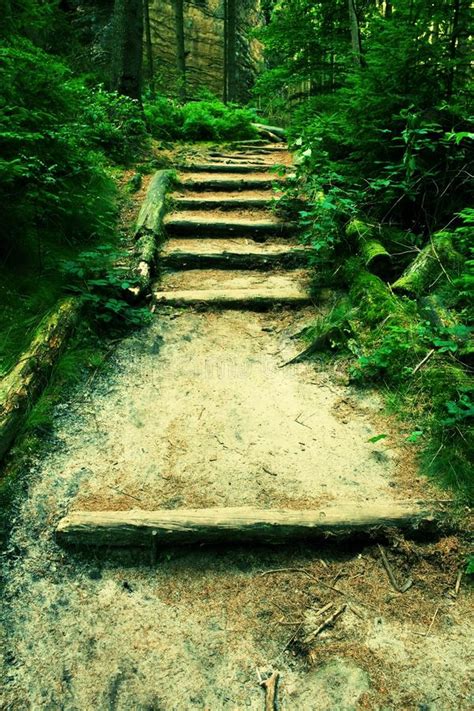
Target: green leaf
377, 438
415, 436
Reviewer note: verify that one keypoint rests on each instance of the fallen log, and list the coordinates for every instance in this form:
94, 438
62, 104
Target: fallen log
375, 256
429, 266
237, 525
25, 382
149, 231
277, 131
151, 214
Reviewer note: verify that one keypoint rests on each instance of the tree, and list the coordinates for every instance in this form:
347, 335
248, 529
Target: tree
149, 47
230, 50
127, 47
355, 33
180, 48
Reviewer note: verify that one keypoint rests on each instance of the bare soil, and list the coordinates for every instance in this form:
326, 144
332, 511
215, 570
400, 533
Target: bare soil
197, 411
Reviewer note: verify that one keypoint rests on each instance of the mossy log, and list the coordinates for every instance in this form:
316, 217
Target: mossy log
371, 296
375, 256
274, 131
431, 264
25, 382
151, 214
237, 525
149, 231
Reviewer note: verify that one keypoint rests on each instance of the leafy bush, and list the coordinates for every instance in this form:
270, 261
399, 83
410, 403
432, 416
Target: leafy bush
99, 277
209, 119
52, 185
115, 124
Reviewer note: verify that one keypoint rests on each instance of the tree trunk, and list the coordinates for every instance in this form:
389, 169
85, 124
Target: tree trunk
375, 256
355, 33
127, 47
180, 48
230, 50
237, 525
428, 267
388, 9
149, 48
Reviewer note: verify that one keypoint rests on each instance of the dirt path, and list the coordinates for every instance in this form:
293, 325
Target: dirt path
198, 411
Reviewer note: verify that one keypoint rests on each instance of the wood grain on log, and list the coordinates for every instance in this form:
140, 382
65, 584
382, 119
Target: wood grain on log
137, 527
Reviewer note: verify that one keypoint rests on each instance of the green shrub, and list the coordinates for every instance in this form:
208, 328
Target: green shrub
116, 125
52, 185
209, 119
164, 118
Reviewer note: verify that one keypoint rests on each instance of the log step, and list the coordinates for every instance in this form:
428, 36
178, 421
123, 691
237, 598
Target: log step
233, 289
238, 525
230, 254
223, 167
225, 201
200, 222
229, 181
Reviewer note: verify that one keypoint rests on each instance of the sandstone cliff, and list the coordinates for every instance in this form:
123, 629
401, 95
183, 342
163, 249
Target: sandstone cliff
204, 22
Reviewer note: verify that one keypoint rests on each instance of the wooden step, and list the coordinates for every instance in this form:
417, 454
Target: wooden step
240, 524
231, 254
226, 201
224, 167
223, 224
229, 181
233, 289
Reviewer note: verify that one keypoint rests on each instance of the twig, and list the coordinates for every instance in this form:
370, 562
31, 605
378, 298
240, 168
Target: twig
399, 588
323, 609
432, 622
328, 621
302, 423
270, 685
422, 362
124, 493
457, 587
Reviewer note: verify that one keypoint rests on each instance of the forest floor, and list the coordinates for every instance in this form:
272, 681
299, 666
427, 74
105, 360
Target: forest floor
199, 410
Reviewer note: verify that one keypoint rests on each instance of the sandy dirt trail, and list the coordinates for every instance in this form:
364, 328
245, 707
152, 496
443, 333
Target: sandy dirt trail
196, 410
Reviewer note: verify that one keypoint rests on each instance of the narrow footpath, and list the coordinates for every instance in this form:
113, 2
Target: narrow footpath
201, 410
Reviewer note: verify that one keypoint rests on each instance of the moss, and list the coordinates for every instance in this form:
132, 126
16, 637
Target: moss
371, 296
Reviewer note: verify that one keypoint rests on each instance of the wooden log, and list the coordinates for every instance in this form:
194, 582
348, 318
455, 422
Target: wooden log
198, 183
225, 167
277, 131
428, 267
245, 298
236, 525
180, 226
149, 231
151, 214
375, 256
26, 381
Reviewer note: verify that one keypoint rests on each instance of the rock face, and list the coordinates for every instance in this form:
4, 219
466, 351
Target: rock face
204, 22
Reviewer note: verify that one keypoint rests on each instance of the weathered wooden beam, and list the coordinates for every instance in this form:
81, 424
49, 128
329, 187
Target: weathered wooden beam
149, 231
26, 381
251, 298
224, 167
236, 525
208, 181
153, 208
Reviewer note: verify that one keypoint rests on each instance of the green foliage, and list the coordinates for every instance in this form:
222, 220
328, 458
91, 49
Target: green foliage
52, 186
100, 279
115, 124
204, 120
